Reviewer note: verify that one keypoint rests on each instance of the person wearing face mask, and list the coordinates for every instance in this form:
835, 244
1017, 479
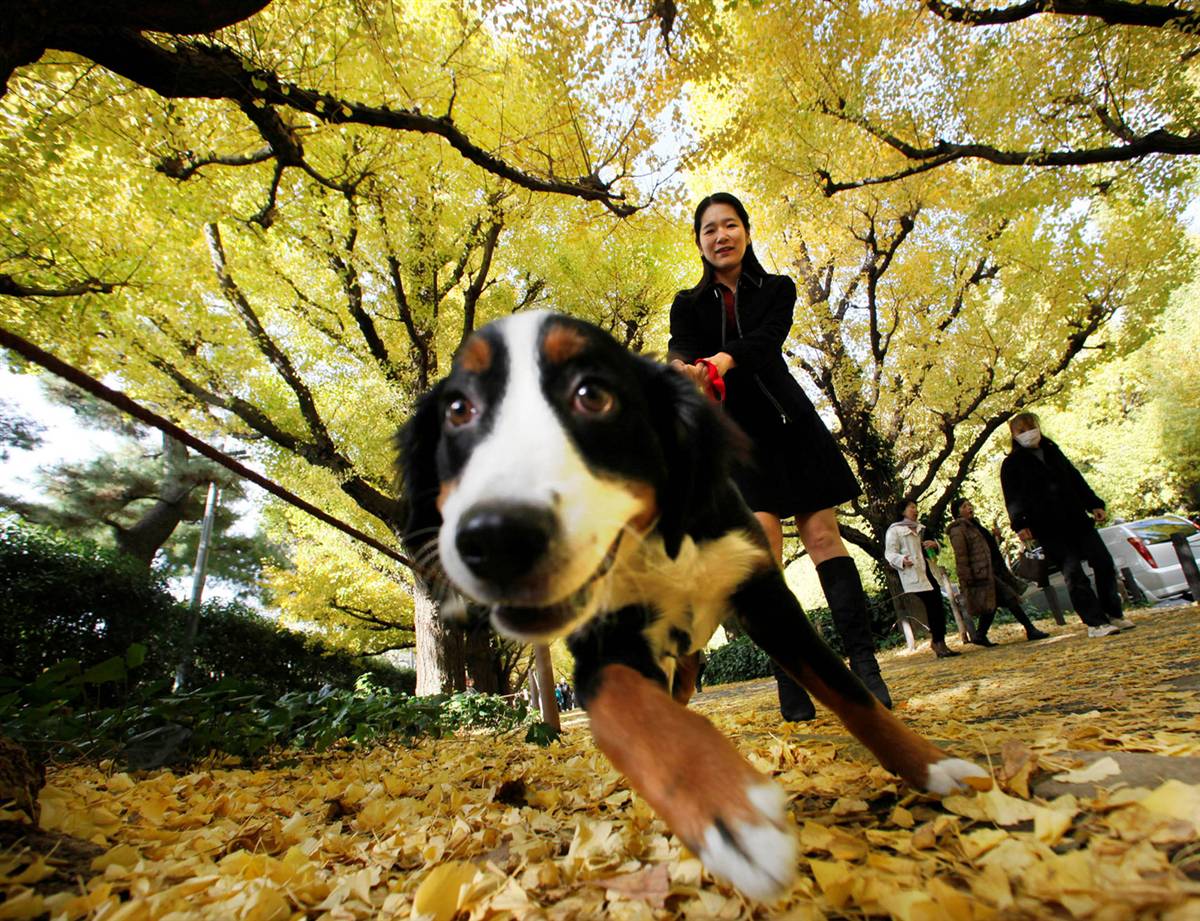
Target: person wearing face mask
727, 334
983, 575
904, 548
1049, 501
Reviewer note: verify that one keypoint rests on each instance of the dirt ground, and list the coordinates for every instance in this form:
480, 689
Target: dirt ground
1094, 744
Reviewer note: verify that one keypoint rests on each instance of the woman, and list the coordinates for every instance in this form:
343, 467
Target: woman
985, 580
1049, 501
731, 326
905, 552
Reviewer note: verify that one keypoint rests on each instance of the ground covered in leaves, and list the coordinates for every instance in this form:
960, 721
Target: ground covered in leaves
1094, 743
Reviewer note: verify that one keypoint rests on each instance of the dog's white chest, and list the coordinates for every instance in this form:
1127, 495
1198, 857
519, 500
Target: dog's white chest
689, 594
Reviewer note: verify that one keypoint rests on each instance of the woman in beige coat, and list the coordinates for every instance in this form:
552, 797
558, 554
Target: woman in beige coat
982, 574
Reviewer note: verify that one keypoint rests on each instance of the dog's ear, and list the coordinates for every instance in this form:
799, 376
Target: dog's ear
417, 475
698, 446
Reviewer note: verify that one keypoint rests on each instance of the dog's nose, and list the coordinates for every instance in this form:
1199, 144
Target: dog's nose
500, 543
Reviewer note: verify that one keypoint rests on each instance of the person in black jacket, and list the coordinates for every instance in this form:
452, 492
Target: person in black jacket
1050, 501
732, 326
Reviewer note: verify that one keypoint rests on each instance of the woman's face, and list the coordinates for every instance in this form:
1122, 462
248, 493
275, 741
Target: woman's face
966, 510
723, 237
910, 511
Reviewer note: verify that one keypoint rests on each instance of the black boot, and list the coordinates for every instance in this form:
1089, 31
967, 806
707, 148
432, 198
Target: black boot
1031, 632
794, 703
981, 629
848, 606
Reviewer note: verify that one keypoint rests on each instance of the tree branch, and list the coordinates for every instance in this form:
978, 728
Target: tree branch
1112, 12
1135, 147
206, 71
12, 288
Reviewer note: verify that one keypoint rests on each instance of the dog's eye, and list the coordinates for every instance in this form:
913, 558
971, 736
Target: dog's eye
593, 399
460, 411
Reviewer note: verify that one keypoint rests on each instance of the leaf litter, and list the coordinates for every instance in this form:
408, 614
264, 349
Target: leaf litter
488, 828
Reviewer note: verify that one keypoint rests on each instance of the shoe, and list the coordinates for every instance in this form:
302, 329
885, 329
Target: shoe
1036, 634
1123, 622
1104, 630
942, 651
981, 641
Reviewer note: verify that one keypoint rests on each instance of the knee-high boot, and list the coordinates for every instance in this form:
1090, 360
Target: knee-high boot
848, 606
794, 703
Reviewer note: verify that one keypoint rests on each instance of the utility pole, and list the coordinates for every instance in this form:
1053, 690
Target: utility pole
198, 577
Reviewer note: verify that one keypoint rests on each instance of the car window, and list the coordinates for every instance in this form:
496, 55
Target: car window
1160, 530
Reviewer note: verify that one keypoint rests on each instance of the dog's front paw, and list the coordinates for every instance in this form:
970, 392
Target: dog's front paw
755, 850
954, 774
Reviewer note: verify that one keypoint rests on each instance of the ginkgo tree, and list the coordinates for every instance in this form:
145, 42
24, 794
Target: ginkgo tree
932, 307
300, 298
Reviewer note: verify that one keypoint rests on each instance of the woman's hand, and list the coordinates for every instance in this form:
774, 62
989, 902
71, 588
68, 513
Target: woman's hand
1098, 515
907, 561
724, 362
1025, 534
930, 545
695, 373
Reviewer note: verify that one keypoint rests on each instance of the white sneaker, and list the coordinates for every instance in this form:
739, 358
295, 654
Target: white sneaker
1106, 630
1124, 623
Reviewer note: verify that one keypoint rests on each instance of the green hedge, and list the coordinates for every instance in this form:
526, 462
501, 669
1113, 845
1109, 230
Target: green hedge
64, 599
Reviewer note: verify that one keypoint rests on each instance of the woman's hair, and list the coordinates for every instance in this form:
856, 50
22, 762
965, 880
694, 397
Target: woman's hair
749, 260
902, 505
1022, 417
955, 505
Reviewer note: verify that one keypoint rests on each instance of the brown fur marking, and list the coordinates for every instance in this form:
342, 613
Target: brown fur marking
476, 355
446, 492
562, 342
689, 773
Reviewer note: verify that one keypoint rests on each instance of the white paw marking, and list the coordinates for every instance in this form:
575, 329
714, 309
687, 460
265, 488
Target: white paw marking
946, 776
760, 857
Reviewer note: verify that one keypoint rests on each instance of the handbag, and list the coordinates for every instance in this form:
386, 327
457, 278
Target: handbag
1032, 566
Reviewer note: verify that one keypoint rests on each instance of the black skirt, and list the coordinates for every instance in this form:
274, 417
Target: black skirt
795, 466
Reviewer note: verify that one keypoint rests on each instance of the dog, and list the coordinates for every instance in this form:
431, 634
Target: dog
579, 490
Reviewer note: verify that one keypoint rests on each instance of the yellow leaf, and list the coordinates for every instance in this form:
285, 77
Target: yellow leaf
1176, 799
123, 855
26, 904
120, 783
981, 840
902, 817
1097, 770
955, 903
440, 893
1049, 825
992, 886
835, 879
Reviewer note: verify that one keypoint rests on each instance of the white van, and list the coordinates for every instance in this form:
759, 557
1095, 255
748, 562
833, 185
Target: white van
1145, 547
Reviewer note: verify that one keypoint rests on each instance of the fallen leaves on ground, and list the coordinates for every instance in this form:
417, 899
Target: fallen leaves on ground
488, 828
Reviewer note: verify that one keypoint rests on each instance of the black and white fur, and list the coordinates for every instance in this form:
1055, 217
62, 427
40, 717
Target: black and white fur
579, 490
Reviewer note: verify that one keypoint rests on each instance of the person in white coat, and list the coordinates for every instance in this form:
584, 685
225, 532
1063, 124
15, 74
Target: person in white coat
904, 548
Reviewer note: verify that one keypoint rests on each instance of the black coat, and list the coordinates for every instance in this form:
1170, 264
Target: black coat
1047, 495
760, 386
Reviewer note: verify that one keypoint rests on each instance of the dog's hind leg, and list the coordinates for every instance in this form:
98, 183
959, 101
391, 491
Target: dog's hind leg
724, 810
775, 621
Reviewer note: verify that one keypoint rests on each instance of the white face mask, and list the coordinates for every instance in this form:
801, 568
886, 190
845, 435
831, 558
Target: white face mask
1029, 439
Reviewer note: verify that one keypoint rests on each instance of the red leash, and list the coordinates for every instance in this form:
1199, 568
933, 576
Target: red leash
716, 383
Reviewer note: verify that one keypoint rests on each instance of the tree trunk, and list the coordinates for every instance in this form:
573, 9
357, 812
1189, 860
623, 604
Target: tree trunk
435, 649
482, 658
143, 539
545, 674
